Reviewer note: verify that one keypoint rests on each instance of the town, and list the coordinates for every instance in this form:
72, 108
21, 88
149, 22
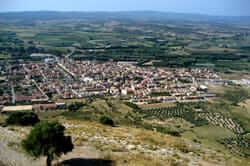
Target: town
63, 78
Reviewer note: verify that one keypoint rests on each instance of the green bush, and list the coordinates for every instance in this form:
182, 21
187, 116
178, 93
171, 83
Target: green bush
157, 94
167, 131
174, 133
75, 106
22, 118
106, 121
237, 96
132, 105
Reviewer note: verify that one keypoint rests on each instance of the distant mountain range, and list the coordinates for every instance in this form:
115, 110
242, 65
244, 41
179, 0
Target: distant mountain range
130, 15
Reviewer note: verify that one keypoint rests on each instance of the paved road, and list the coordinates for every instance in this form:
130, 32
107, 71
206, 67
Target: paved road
13, 94
71, 53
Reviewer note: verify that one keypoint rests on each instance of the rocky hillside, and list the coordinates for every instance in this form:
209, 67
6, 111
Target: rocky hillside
136, 138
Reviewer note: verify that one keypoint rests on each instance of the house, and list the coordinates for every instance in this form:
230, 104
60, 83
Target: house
39, 55
124, 92
40, 107
203, 88
17, 108
46, 107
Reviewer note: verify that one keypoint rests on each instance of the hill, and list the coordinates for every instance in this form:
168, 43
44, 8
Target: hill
126, 15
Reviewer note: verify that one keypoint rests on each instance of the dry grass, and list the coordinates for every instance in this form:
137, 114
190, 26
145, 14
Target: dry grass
246, 104
115, 152
157, 105
236, 75
109, 140
2, 119
119, 106
137, 135
154, 138
141, 160
100, 105
233, 161
70, 101
81, 131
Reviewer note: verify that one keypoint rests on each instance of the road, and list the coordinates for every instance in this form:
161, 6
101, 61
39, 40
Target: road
71, 53
44, 94
13, 94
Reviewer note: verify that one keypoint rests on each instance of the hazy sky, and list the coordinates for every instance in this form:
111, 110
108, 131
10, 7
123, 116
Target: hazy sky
212, 7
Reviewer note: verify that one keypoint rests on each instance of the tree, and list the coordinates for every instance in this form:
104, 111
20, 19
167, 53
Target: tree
237, 96
47, 139
22, 118
75, 106
106, 121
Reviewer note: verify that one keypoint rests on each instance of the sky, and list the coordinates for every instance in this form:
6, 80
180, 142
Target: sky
210, 7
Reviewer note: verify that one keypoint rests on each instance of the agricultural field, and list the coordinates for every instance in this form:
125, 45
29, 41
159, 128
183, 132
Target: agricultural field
166, 42
209, 135
2, 56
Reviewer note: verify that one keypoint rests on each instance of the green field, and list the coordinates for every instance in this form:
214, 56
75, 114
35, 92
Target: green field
167, 43
209, 135
2, 56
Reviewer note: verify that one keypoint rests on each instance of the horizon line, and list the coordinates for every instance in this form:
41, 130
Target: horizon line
117, 11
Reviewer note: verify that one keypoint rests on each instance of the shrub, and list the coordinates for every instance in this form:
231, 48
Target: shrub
22, 118
237, 96
132, 105
75, 106
106, 121
174, 133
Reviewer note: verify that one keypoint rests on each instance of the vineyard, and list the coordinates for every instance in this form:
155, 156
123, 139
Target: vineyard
239, 145
219, 120
186, 111
197, 114
194, 113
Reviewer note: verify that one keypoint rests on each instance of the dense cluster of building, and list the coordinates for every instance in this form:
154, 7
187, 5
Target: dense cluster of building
140, 84
17, 88
64, 78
